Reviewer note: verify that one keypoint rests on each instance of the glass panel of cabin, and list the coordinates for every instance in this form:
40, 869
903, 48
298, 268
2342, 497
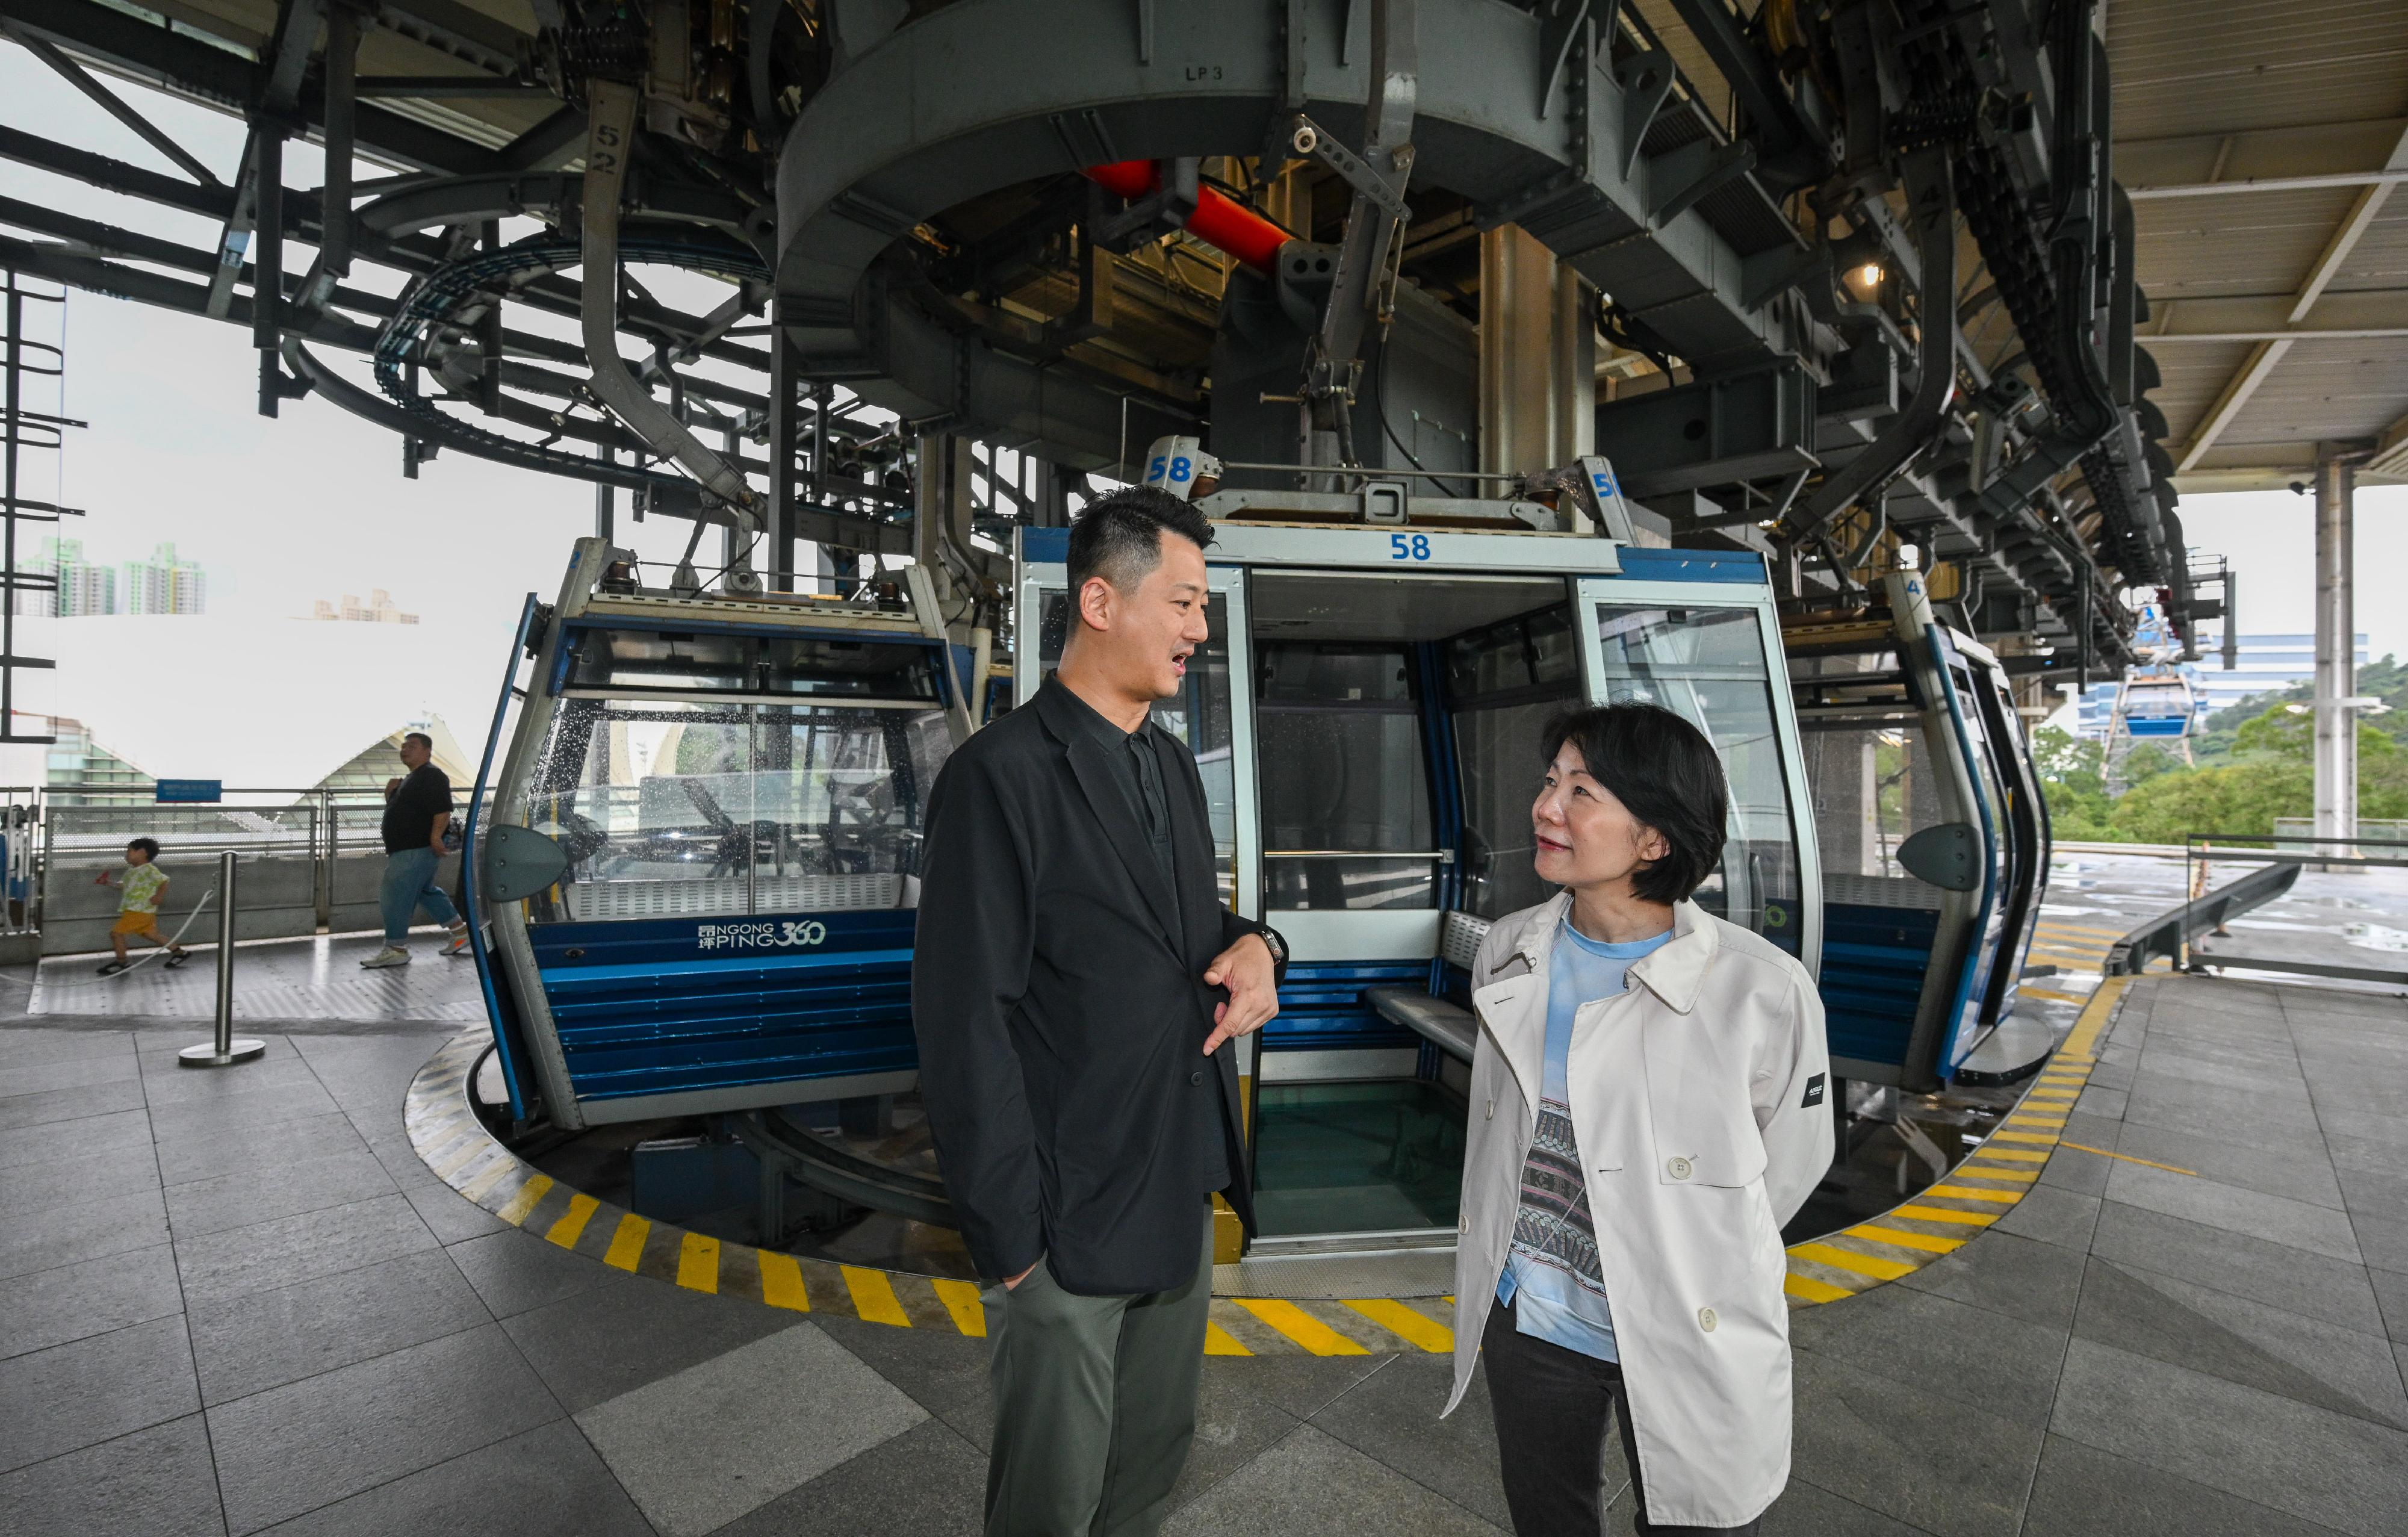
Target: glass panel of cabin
1708, 666
1503, 685
1345, 785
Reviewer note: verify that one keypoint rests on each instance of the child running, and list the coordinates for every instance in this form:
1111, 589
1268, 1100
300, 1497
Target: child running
138, 905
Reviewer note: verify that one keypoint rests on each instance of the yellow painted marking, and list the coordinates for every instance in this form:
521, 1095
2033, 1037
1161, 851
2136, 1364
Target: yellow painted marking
1970, 1170
961, 1300
2017, 1153
2026, 1118
1812, 1291
1402, 1321
2046, 1138
873, 1297
1302, 1326
1220, 1342
1966, 1192
2052, 995
571, 1226
627, 1243
524, 1202
464, 1157
782, 1281
2128, 1159
502, 1168
1876, 1233
1935, 1214
699, 1263
1848, 1259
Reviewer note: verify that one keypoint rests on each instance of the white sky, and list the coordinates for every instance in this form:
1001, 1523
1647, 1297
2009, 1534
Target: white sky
313, 505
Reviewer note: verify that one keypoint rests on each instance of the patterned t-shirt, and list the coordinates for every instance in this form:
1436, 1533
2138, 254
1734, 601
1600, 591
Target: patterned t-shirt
1552, 1276
139, 890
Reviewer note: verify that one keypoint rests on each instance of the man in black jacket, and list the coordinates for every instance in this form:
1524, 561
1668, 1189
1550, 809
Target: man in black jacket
1075, 986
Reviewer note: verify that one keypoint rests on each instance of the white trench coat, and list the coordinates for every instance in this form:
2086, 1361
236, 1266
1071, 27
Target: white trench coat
1700, 1104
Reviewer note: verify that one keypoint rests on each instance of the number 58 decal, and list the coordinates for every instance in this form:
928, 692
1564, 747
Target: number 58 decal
1409, 547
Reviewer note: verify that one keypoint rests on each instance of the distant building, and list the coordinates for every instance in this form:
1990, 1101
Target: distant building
377, 609
84, 588
76, 759
165, 584
2263, 663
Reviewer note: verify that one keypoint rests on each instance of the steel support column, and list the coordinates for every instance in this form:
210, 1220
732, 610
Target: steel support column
2336, 683
1537, 357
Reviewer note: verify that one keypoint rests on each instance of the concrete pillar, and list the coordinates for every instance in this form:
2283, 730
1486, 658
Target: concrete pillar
1537, 357
2336, 683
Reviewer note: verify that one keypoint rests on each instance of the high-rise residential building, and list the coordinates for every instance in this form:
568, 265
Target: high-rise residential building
85, 587
165, 584
378, 609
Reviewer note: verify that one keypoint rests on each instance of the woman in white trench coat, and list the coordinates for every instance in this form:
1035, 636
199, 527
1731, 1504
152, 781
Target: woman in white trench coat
1648, 1107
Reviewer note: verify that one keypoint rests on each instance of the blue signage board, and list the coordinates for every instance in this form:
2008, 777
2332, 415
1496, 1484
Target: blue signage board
190, 792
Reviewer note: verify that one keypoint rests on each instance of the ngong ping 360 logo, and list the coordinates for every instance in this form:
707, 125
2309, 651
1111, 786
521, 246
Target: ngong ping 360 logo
780, 935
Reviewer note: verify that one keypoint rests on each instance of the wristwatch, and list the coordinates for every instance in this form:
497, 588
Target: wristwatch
1272, 942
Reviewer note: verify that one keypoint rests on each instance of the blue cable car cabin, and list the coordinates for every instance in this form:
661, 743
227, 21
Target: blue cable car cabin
734, 790
1367, 715
1934, 839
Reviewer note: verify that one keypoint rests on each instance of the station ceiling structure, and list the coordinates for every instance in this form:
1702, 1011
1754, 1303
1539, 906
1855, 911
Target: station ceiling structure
1833, 280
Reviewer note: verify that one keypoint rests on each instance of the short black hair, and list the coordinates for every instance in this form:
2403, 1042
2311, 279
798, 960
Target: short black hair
408, 736
149, 847
1665, 771
1119, 537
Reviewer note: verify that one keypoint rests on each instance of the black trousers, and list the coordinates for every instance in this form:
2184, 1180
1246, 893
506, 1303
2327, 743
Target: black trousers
1551, 1405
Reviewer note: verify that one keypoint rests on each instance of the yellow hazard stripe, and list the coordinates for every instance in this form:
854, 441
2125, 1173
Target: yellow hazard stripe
699, 1263
1938, 1213
1927, 1243
1849, 1260
1220, 1342
1809, 1290
571, 1226
627, 1243
1302, 1326
1403, 1322
782, 1281
873, 1297
1966, 1192
961, 1300
524, 1202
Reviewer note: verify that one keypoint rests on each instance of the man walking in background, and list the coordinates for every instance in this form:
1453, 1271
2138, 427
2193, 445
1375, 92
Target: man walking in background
417, 812
1077, 988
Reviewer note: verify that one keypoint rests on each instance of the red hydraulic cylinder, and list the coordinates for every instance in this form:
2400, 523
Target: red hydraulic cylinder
1217, 221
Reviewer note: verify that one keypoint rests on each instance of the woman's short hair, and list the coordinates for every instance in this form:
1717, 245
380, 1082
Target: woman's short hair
1664, 771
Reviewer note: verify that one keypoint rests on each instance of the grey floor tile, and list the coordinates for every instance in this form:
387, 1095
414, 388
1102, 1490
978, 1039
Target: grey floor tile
279, 1253
2312, 1463
49, 1141
2072, 1168
2053, 1216
516, 1272
2382, 1238
2372, 1192
2277, 1219
604, 1342
944, 1372
927, 1481
2085, 1492
71, 1104
1393, 1414
203, 1156
449, 1215
23, 1046
227, 1114
2268, 1076
2370, 1125
168, 1085
1806, 1510
112, 1172
249, 1344
1921, 1338
695, 1452
94, 1297
542, 1483
64, 1235
2241, 1341
72, 1396
200, 1207
291, 1449
2227, 1115
153, 1482
2330, 1289
2299, 1172
2105, 1103
76, 1072
1924, 1456
1315, 1483
2391, 1294
2366, 1152
2021, 1277
2093, 1130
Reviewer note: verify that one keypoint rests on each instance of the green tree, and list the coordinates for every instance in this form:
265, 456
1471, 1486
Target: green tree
2072, 778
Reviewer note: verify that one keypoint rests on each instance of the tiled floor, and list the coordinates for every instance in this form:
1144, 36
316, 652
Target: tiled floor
236, 1301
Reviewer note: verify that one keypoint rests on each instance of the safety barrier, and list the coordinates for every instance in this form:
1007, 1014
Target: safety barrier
2170, 935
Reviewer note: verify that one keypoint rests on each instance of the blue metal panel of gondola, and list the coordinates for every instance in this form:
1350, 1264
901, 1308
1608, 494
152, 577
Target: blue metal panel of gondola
701, 861
1934, 843
1367, 714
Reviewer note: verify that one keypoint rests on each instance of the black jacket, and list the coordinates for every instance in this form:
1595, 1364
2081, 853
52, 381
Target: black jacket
1057, 995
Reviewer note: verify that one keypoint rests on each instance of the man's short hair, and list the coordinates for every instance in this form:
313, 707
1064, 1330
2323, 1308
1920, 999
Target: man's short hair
418, 737
150, 846
1664, 771
1119, 537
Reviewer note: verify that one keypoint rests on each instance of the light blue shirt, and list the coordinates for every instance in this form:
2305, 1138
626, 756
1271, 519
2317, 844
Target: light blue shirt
1552, 1300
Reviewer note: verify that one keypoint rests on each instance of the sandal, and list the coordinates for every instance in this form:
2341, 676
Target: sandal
110, 968
175, 959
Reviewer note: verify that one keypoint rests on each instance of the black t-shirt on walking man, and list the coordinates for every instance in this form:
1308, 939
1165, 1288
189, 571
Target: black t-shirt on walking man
410, 815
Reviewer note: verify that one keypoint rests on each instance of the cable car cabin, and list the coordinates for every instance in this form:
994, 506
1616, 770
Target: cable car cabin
1934, 840
1367, 716
717, 913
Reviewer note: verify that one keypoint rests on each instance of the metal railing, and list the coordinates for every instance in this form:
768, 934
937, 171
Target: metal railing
2285, 854
2170, 934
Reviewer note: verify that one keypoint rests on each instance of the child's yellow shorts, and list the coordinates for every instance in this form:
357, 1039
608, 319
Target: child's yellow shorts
137, 923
